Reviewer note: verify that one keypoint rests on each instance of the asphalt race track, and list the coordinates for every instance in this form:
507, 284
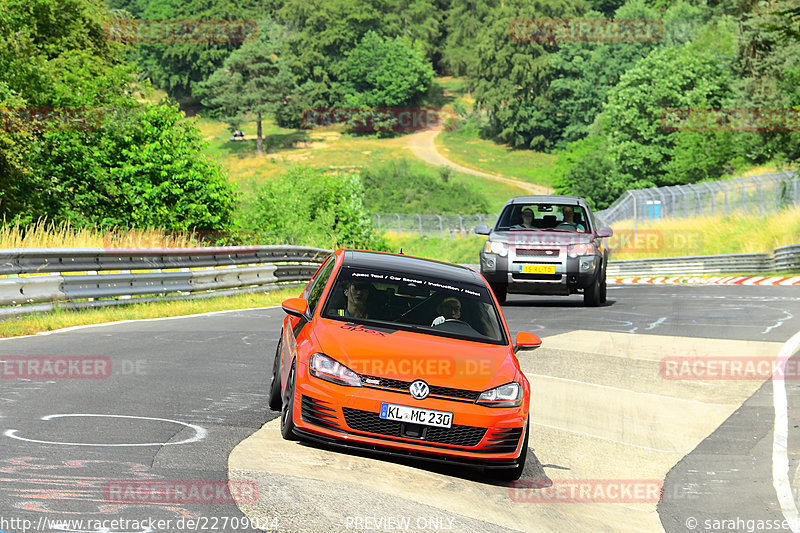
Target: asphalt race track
181, 403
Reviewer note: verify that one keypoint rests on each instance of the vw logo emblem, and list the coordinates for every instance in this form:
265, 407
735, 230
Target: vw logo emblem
419, 390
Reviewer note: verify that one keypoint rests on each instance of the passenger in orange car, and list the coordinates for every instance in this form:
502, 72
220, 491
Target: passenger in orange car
357, 294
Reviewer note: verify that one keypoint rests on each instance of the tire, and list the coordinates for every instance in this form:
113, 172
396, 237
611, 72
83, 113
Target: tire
275, 400
513, 474
287, 408
499, 290
591, 294
603, 291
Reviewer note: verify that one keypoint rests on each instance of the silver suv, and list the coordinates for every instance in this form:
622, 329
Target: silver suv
548, 245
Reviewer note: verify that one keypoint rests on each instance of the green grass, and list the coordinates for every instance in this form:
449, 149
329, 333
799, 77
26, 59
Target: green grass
64, 318
473, 152
459, 249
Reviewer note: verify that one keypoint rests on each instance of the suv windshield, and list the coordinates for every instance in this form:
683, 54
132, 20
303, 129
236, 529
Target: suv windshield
414, 302
564, 217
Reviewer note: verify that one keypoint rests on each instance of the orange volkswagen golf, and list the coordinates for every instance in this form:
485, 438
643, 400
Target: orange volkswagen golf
406, 357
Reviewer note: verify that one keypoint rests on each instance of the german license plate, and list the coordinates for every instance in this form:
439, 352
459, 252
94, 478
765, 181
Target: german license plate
415, 415
537, 269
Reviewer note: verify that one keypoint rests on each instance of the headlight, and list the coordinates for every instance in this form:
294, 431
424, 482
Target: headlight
575, 250
508, 395
495, 247
323, 367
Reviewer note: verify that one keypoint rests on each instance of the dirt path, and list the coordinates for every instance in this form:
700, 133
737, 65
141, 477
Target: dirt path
422, 145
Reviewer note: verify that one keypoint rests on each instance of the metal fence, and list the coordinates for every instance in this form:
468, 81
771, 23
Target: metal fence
433, 225
751, 195
34, 280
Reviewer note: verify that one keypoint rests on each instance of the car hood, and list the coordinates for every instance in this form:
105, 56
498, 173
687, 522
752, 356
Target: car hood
408, 356
542, 237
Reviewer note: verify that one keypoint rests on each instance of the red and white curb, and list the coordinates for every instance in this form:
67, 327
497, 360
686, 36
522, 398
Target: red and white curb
724, 280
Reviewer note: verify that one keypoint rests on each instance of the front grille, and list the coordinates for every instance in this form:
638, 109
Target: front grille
531, 252
504, 440
318, 413
370, 422
402, 386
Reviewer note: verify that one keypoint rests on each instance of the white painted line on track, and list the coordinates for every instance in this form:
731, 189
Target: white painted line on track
609, 440
609, 387
780, 437
200, 433
103, 324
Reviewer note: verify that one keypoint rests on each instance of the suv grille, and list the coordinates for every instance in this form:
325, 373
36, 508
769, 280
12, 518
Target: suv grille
370, 422
538, 252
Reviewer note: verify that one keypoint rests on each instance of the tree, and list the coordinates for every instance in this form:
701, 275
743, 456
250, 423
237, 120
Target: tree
512, 74
121, 163
582, 74
177, 62
463, 24
384, 73
691, 77
253, 79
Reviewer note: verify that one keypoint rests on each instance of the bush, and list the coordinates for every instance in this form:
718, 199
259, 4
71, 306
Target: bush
311, 207
399, 187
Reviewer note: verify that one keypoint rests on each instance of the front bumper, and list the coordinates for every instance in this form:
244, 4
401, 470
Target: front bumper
349, 417
571, 274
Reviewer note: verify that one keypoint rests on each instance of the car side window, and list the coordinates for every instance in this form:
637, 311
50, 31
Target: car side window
315, 291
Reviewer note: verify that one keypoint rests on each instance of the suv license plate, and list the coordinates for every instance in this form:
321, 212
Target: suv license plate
537, 269
415, 415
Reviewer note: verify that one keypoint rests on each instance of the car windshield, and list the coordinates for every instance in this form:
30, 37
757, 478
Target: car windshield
545, 217
414, 302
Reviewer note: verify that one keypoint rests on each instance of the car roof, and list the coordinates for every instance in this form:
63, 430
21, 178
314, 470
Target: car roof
407, 264
547, 199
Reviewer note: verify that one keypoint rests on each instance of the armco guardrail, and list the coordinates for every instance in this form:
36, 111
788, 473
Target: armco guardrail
34, 280
783, 259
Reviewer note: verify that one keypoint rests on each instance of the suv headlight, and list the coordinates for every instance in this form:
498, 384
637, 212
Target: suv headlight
496, 247
574, 250
323, 367
508, 395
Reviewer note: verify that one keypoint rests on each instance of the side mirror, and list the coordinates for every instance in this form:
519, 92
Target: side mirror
526, 341
605, 232
295, 306
482, 229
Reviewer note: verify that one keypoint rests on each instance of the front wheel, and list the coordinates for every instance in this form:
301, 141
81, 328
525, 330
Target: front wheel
591, 294
275, 385
287, 409
603, 291
513, 474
